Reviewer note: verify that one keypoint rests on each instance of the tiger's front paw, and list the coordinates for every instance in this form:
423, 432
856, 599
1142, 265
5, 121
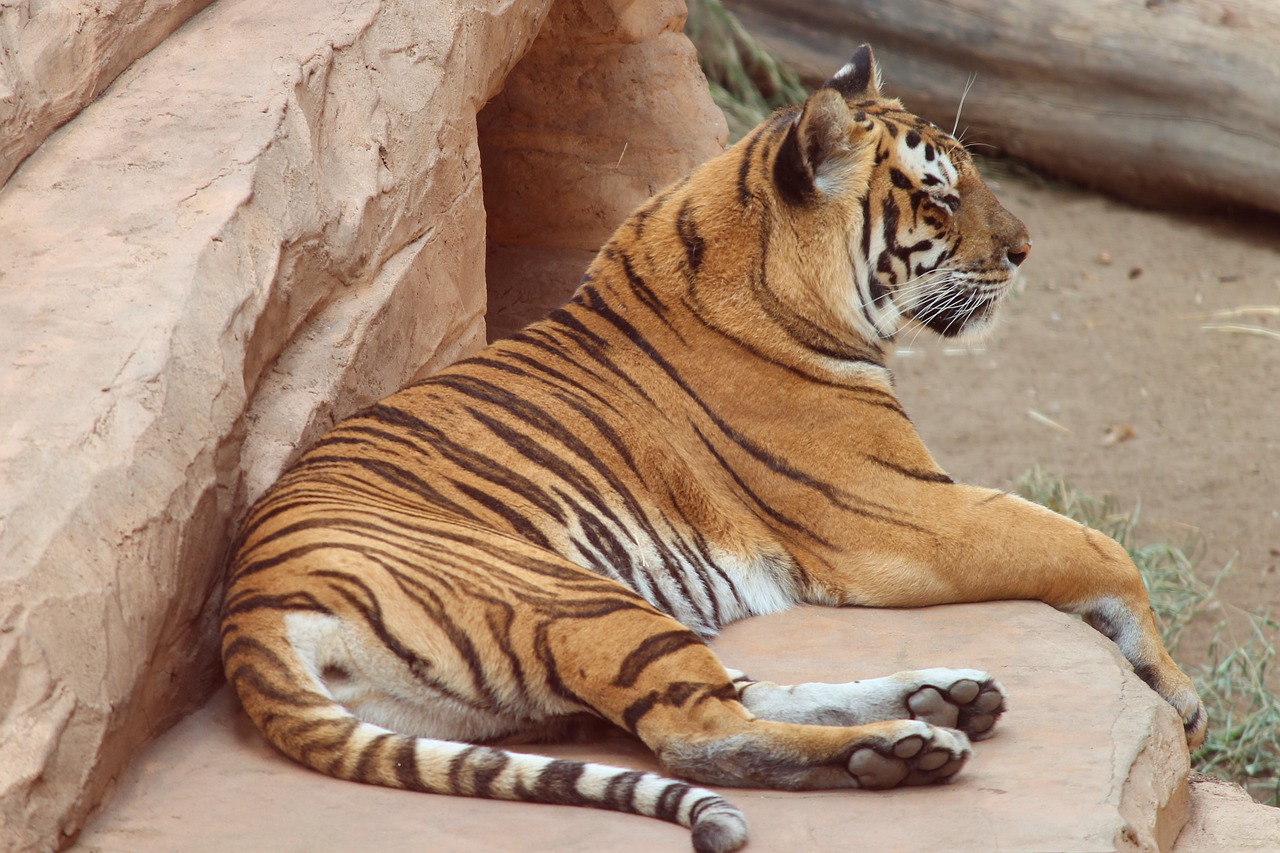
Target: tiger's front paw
1195, 722
915, 754
1176, 688
966, 699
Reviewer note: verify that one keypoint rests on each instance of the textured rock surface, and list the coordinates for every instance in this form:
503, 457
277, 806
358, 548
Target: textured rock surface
1223, 818
599, 109
57, 57
271, 219
1086, 759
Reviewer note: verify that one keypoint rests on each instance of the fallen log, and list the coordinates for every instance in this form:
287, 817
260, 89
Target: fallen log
1171, 103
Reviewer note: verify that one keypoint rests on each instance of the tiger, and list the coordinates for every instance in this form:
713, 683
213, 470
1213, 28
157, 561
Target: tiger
546, 534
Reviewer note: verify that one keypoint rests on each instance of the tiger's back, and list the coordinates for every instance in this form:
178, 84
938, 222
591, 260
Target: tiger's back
551, 529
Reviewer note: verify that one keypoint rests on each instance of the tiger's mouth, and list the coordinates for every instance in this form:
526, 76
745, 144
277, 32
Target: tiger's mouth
961, 306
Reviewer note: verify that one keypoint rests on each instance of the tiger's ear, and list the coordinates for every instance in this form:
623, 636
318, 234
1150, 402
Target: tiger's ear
859, 79
821, 152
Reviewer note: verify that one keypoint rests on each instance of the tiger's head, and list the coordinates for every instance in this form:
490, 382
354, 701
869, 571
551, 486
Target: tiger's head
873, 220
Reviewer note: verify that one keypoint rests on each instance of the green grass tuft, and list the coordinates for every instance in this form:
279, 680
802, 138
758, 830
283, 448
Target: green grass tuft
1238, 681
747, 80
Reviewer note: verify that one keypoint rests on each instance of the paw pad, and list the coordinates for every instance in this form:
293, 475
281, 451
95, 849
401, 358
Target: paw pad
964, 691
966, 704
911, 760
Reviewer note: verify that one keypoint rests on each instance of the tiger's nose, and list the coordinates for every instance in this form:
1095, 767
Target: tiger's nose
1018, 255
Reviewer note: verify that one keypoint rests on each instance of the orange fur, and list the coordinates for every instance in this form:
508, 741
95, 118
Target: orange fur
707, 430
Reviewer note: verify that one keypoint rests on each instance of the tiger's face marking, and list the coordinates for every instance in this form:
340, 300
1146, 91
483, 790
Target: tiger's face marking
928, 245
551, 529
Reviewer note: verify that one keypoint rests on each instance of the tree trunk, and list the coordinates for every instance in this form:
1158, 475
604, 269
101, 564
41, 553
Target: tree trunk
1164, 102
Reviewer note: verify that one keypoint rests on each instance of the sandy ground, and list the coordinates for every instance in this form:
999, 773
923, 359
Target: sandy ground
1108, 333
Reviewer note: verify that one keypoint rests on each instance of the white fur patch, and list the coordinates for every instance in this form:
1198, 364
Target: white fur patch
761, 581
1121, 619
853, 703
845, 70
920, 168
317, 640
376, 686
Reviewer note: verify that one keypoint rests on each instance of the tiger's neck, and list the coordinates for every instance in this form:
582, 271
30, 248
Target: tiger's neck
702, 267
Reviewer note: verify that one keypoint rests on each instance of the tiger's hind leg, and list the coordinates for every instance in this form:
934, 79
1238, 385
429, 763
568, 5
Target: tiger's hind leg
667, 687
966, 699
436, 663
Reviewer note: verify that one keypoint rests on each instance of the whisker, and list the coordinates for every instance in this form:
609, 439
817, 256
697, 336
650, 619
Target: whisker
973, 76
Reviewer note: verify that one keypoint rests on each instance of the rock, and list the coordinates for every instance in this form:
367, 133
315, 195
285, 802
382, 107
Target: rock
1224, 818
57, 59
1086, 759
545, 153
271, 219
1161, 103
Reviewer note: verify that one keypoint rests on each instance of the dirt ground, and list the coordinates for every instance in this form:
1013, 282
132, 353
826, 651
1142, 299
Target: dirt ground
1107, 336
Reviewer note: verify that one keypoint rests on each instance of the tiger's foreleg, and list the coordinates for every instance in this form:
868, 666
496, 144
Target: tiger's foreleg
966, 699
974, 544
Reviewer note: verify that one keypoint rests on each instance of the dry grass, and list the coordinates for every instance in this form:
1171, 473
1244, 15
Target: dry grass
1238, 680
747, 80
1219, 321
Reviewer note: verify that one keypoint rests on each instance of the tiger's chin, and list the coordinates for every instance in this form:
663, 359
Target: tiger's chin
970, 321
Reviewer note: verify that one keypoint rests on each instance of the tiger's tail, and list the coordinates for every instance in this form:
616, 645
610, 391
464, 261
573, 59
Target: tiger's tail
297, 714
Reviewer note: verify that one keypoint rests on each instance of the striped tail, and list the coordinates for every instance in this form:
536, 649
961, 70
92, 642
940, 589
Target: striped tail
297, 716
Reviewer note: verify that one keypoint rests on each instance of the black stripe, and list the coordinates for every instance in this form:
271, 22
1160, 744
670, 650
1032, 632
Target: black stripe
406, 765
242, 601
801, 330
770, 460
594, 347
558, 783
694, 244
311, 742
370, 754
767, 508
637, 710
247, 675
458, 766
483, 765
538, 453
620, 793
650, 651
567, 385
639, 286
668, 806
645, 294
792, 172
913, 473
887, 400
518, 522
763, 135
369, 606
